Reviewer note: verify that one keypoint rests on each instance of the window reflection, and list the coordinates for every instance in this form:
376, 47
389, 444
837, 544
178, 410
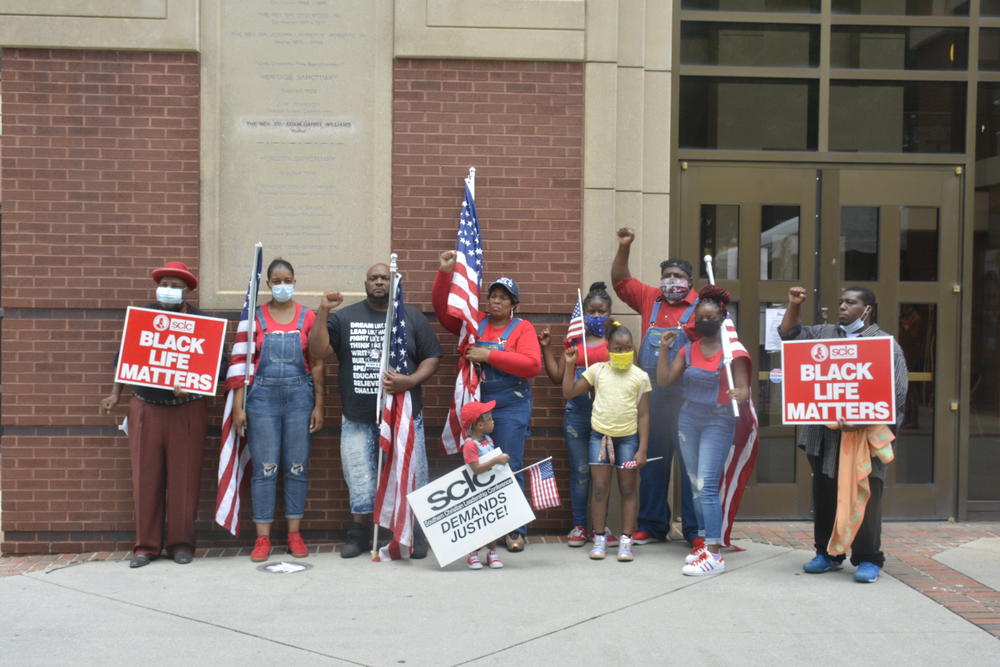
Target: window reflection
776, 457
859, 242
893, 47
720, 238
917, 337
749, 44
918, 243
811, 6
989, 49
903, 7
779, 242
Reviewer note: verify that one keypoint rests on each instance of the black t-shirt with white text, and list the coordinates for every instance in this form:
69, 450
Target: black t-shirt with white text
356, 336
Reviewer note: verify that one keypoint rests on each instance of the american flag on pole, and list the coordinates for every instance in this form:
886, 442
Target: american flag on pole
463, 303
746, 443
234, 456
576, 328
544, 493
396, 438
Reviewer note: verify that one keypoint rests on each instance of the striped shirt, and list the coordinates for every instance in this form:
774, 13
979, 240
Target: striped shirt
825, 442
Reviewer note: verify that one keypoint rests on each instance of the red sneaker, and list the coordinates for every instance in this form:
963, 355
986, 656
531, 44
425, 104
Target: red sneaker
261, 549
642, 537
296, 546
577, 537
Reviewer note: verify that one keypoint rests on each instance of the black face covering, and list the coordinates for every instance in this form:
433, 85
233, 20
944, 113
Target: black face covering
708, 328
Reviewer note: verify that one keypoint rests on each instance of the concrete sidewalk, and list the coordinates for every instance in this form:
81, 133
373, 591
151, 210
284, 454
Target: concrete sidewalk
549, 604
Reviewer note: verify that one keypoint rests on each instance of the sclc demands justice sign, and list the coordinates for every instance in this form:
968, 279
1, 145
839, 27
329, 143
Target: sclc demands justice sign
166, 349
838, 378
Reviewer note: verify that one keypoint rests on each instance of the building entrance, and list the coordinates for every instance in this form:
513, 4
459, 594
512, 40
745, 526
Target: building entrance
894, 230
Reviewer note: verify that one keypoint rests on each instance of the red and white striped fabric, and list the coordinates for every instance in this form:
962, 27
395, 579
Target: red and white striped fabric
746, 443
576, 328
544, 493
234, 455
463, 303
396, 438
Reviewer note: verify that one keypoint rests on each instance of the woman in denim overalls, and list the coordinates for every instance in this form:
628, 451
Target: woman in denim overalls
507, 354
706, 423
284, 406
576, 418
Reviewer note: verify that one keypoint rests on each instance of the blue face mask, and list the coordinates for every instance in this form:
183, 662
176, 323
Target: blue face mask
595, 324
855, 326
282, 293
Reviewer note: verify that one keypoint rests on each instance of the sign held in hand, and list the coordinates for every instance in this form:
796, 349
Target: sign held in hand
164, 349
849, 379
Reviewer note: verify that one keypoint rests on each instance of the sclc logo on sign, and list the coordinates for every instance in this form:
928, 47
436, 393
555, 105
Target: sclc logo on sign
458, 490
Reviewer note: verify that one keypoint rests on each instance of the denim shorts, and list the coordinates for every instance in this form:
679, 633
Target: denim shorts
625, 448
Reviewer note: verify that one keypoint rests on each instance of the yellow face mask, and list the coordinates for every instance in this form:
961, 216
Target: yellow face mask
622, 361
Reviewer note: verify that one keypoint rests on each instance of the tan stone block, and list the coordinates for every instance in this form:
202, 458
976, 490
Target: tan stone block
598, 239
530, 14
658, 25
656, 132
600, 121
631, 32
629, 147
602, 30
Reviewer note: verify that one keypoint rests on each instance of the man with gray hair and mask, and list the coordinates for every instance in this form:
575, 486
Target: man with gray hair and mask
670, 305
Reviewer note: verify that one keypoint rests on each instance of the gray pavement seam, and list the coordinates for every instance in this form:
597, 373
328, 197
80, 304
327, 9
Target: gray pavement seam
35, 576
694, 582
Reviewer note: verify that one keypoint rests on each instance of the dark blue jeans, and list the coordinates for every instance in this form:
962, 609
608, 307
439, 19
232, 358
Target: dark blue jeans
510, 430
654, 485
576, 432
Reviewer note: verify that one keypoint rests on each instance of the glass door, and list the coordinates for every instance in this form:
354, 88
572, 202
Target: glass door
895, 231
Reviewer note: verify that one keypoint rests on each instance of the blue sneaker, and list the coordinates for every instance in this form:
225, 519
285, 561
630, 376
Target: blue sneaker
867, 573
820, 564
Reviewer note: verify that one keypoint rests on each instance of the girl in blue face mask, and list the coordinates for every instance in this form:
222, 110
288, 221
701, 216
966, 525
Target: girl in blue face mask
619, 433
706, 423
284, 406
576, 418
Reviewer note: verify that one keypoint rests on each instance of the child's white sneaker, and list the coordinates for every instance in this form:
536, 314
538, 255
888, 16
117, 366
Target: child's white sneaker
625, 549
600, 547
707, 563
473, 561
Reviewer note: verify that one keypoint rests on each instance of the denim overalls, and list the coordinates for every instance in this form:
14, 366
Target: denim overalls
279, 406
513, 396
664, 406
576, 433
705, 432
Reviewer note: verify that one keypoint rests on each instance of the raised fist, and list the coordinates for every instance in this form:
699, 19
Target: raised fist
626, 235
797, 295
330, 300
448, 258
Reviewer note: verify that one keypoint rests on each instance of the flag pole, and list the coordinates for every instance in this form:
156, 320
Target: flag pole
471, 180
549, 458
579, 300
727, 353
383, 366
252, 317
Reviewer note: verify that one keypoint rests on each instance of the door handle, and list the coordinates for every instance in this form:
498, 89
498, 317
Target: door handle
824, 313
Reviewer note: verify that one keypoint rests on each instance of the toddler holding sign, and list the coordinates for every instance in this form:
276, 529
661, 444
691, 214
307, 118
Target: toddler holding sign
620, 435
477, 423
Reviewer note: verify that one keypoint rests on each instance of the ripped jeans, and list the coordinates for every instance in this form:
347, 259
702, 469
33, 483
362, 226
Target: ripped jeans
576, 432
278, 412
705, 436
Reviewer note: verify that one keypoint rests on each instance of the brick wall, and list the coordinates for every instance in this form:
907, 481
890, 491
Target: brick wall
99, 185
521, 125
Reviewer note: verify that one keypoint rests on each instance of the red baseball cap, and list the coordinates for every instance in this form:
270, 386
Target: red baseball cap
473, 411
176, 270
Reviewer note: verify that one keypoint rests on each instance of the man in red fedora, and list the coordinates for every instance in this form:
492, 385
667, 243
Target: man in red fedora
166, 439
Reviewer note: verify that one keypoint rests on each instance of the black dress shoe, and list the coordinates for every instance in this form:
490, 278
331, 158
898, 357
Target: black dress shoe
183, 557
139, 560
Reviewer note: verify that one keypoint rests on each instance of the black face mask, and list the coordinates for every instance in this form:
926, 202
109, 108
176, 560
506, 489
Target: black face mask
708, 328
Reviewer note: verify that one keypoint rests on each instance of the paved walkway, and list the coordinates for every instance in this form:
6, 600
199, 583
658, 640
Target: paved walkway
550, 603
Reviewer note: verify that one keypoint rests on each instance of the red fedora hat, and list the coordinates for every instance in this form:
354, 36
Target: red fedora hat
176, 270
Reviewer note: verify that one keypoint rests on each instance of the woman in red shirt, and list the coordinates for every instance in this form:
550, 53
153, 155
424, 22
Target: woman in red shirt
507, 354
284, 406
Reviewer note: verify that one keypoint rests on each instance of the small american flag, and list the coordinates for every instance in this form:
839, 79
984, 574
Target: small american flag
576, 327
234, 456
463, 303
544, 493
396, 438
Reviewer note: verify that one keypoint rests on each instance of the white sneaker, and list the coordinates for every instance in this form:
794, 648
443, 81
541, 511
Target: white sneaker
473, 561
625, 549
695, 554
707, 564
577, 537
600, 547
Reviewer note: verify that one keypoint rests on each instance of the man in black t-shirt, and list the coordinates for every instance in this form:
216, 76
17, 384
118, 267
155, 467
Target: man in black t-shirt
356, 334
